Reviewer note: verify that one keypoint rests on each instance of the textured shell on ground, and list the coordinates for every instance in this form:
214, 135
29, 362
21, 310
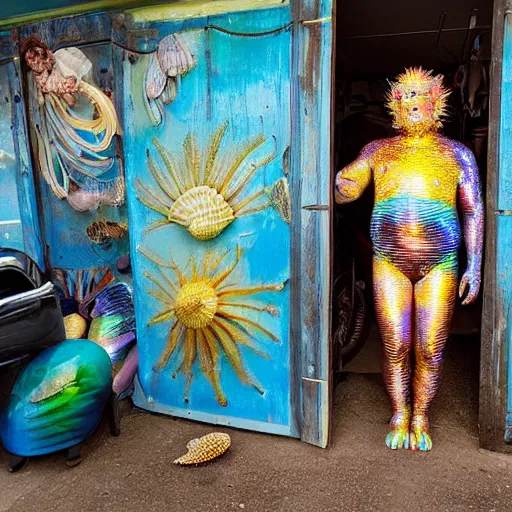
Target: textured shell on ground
205, 449
203, 211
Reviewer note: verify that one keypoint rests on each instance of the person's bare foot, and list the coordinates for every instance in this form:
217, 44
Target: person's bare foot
420, 433
398, 436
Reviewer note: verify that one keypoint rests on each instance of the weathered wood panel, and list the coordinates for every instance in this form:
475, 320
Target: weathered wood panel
241, 75
19, 223
247, 61
311, 243
65, 229
497, 277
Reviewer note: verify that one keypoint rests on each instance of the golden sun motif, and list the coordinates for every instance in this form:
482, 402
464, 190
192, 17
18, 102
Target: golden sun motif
203, 310
204, 194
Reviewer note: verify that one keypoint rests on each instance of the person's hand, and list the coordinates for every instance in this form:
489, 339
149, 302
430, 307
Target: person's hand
471, 281
345, 190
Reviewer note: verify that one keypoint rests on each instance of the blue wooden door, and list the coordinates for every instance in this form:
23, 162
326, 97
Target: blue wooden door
503, 224
214, 167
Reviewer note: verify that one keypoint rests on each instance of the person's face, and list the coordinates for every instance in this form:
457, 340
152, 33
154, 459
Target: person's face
416, 109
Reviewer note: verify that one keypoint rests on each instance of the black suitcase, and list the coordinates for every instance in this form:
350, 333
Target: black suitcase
30, 314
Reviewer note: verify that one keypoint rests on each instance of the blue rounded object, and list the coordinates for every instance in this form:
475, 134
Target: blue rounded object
58, 399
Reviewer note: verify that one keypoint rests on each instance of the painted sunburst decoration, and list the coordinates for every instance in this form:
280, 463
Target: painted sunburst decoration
204, 195
204, 311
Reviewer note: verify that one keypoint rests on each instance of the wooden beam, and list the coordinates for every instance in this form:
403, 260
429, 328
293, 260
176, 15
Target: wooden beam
311, 236
493, 382
143, 10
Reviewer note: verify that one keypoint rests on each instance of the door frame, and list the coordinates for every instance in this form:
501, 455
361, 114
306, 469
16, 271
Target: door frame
311, 260
494, 334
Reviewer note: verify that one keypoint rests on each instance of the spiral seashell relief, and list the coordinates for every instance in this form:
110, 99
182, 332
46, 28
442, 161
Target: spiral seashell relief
204, 195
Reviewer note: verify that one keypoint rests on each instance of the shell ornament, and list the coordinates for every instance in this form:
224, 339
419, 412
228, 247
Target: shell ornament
166, 66
279, 194
204, 196
96, 305
72, 147
205, 449
75, 325
205, 317
105, 231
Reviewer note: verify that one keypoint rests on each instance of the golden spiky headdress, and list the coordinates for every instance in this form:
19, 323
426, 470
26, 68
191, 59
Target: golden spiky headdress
421, 83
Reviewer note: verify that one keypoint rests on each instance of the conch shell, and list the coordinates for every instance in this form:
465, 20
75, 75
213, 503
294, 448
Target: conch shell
205, 449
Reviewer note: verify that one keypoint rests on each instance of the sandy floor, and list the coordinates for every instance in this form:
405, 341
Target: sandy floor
267, 473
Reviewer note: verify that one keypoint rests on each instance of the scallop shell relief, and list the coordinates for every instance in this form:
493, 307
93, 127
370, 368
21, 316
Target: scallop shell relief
204, 195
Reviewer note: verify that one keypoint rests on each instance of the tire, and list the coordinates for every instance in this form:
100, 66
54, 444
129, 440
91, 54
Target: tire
352, 326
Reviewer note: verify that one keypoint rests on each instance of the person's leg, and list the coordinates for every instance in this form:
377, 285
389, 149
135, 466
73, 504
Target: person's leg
393, 293
434, 298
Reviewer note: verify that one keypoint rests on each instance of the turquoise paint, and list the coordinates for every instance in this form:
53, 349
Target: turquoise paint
504, 283
505, 174
504, 221
249, 85
65, 228
19, 223
11, 231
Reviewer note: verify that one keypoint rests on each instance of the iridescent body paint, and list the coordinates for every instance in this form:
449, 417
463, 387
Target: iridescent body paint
418, 176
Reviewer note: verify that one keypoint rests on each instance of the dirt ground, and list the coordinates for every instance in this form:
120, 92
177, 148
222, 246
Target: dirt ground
267, 473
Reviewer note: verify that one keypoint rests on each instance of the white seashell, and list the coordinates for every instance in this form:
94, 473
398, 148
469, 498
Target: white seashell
189, 59
170, 91
174, 56
154, 79
72, 62
205, 449
166, 53
203, 211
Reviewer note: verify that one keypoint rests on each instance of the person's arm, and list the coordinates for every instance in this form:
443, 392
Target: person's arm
472, 209
354, 178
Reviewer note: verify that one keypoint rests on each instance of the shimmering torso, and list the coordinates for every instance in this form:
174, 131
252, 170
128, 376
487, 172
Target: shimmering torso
414, 222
